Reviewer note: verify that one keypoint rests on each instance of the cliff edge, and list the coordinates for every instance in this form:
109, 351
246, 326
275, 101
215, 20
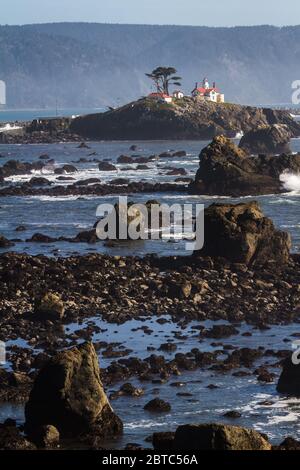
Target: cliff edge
186, 118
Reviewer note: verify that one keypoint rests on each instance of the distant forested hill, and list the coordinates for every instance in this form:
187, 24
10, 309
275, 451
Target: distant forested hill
91, 65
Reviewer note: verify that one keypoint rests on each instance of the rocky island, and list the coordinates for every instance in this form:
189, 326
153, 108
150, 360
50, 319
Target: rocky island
185, 118
226, 169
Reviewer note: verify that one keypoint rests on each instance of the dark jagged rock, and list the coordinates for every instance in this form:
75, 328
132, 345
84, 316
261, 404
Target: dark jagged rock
87, 181
289, 380
179, 153
168, 347
65, 169
242, 234
106, 166
5, 243
42, 131
263, 375
45, 436
191, 119
220, 331
163, 440
93, 189
89, 281
15, 167
233, 414
289, 443
125, 159
177, 171
41, 238
11, 438
87, 236
218, 437
83, 145
65, 178
157, 406
21, 228
120, 181
49, 307
143, 167
227, 170
69, 395
141, 159
39, 181
272, 140
14, 387
127, 390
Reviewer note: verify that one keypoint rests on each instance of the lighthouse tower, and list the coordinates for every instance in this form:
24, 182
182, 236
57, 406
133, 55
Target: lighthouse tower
205, 83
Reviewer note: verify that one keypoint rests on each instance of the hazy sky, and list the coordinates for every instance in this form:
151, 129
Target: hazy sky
190, 12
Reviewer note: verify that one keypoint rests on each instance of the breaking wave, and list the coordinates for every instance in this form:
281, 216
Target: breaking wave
291, 181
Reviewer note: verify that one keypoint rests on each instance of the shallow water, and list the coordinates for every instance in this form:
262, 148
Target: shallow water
66, 216
59, 216
244, 394
21, 115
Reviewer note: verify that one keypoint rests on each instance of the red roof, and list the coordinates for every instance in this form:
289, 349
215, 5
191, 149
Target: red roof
206, 90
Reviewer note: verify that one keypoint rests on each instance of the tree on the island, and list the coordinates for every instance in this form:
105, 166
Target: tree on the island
163, 77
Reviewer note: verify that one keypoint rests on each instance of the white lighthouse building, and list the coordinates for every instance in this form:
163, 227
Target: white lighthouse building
2, 94
208, 93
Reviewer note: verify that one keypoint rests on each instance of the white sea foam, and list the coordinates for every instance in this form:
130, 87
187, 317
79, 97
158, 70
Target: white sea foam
287, 418
144, 423
291, 181
239, 135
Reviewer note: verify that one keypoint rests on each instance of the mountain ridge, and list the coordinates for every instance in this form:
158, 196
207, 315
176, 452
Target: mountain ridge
93, 64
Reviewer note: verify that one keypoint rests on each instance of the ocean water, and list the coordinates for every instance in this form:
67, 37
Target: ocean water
13, 115
66, 216
259, 404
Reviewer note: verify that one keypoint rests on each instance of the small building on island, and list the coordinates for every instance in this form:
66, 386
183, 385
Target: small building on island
161, 97
208, 93
177, 94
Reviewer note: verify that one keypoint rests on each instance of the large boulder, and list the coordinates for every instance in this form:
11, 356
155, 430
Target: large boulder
289, 380
39, 181
226, 169
106, 166
15, 167
272, 140
65, 169
242, 234
45, 436
218, 437
11, 438
87, 236
5, 243
157, 405
69, 395
49, 307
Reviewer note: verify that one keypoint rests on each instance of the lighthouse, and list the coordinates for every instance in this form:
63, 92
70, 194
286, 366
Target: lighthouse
205, 83
206, 93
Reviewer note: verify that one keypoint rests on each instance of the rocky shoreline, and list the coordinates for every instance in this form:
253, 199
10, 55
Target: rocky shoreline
95, 189
185, 119
245, 275
224, 170
228, 170
146, 119
40, 296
